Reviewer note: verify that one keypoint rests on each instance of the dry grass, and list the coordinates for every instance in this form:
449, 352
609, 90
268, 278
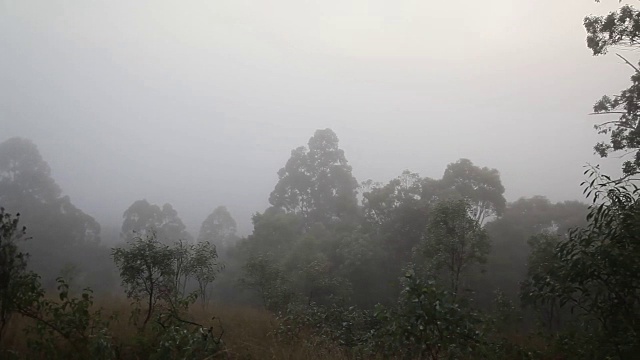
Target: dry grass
249, 333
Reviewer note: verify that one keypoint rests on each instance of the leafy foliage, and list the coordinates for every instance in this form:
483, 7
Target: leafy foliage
454, 241
619, 28
480, 187
427, 323
70, 319
317, 182
543, 260
142, 217
204, 267
13, 267
596, 270
147, 272
219, 228
58, 228
266, 278
177, 342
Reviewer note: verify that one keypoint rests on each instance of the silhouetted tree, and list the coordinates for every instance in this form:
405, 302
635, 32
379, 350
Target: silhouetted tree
618, 29
219, 228
317, 182
481, 187
60, 231
454, 241
142, 216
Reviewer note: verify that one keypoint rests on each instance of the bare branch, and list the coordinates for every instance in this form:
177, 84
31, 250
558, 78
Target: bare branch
629, 63
608, 112
618, 123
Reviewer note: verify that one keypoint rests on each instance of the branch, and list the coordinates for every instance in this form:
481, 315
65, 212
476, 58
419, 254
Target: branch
625, 154
618, 123
629, 63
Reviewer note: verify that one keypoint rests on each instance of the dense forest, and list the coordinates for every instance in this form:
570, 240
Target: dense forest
336, 268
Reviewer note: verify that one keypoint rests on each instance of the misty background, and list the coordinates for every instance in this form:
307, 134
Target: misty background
199, 103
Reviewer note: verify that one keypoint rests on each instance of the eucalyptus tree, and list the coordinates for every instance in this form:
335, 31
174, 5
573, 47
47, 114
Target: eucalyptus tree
595, 270
618, 29
454, 242
14, 276
146, 271
316, 182
204, 267
219, 228
480, 186
59, 229
142, 217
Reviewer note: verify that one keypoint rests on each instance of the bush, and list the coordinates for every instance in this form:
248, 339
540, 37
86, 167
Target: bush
425, 324
68, 328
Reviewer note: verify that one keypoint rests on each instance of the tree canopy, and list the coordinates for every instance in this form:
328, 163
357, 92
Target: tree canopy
618, 29
219, 228
142, 217
316, 182
55, 223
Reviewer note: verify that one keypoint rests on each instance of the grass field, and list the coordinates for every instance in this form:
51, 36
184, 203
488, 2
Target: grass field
247, 333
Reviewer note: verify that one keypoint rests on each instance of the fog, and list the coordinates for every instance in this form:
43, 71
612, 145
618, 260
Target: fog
199, 103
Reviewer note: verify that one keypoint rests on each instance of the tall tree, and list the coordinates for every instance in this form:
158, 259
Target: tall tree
618, 29
219, 228
58, 228
147, 271
397, 213
24, 176
317, 182
273, 231
543, 259
142, 216
13, 267
596, 270
510, 234
481, 187
204, 267
454, 241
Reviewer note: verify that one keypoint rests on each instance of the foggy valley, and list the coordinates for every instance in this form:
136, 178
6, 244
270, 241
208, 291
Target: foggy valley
319, 180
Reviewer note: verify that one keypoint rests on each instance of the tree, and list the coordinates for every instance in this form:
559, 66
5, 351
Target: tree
542, 260
274, 230
14, 277
426, 323
219, 228
57, 226
618, 29
26, 186
312, 269
510, 235
481, 187
363, 261
263, 275
204, 267
24, 174
317, 182
597, 271
397, 213
454, 241
380, 202
146, 270
142, 216
183, 253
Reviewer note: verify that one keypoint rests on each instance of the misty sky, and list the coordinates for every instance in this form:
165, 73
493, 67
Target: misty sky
199, 103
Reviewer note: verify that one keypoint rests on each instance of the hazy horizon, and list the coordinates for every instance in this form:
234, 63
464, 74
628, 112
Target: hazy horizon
199, 104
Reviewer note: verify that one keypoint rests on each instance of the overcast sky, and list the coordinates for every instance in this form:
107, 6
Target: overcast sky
199, 103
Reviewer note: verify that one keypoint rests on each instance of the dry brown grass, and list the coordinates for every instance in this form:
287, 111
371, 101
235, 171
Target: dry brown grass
249, 333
